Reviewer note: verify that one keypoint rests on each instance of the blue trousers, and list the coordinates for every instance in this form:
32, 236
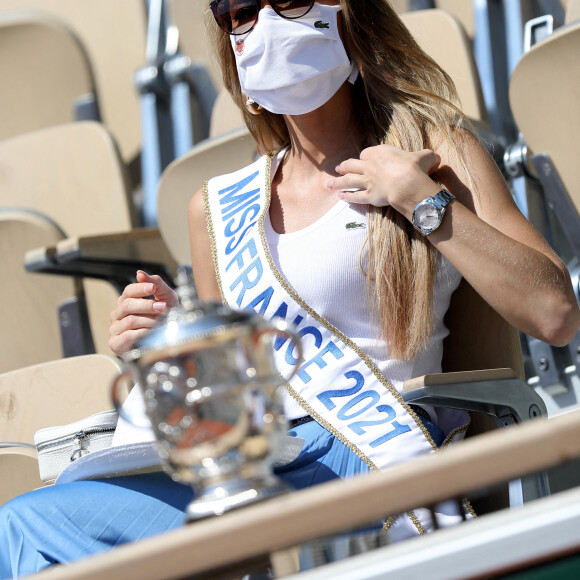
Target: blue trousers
63, 523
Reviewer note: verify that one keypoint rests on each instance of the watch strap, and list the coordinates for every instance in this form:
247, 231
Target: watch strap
442, 198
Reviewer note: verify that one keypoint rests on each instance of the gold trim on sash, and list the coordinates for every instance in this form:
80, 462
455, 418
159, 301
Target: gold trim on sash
205, 197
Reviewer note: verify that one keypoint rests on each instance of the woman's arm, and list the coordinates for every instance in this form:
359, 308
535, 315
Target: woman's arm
483, 233
201, 255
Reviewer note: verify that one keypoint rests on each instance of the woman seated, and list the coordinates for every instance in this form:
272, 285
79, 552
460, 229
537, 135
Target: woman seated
370, 202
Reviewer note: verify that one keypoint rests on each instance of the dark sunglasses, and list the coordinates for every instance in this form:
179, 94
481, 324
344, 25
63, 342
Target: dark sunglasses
240, 16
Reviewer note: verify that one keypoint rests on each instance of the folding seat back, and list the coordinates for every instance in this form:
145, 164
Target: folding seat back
225, 116
44, 71
442, 36
572, 11
461, 10
54, 393
20, 473
187, 174
544, 94
29, 327
400, 5
46, 395
73, 175
479, 338
193, 19
114, 36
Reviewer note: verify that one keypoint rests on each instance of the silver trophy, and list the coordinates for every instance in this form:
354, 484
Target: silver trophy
213, 397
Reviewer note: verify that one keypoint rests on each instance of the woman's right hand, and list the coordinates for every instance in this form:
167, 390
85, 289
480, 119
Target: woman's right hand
137, 312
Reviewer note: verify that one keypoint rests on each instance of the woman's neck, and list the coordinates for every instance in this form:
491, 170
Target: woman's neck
322, 139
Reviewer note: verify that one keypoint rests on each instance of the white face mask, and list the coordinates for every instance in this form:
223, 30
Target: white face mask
292, 67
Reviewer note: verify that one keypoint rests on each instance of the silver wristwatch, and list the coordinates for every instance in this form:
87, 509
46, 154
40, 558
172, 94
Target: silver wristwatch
429, 213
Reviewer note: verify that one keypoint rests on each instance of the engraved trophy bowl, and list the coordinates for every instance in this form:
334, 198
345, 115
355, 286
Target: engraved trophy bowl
213, 397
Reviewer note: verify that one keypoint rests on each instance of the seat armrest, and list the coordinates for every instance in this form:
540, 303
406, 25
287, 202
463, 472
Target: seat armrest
138, 245
112, 257
457, 378
495, 392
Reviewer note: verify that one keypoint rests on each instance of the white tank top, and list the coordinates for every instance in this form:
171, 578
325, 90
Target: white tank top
322, 262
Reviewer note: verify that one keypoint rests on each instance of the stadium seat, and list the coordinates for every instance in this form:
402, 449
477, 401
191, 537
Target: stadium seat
73, 175
192, 17
223, 154
45, 72
461, 10
45, 395
30, 321
544, 97
20, 473
443, 38
572, 11
114, 37
54, 393
225, 116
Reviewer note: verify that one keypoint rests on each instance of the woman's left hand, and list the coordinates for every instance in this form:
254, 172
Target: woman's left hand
386, 175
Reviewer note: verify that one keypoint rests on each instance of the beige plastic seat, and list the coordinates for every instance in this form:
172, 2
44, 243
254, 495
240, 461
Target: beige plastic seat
543, 94
462, 10
44, 70
73, 175
400, 5
225, 115
113, 34
20, 473
572, 11
192, 18
45, 395
442, 36
186, 175
54, 393
29, 324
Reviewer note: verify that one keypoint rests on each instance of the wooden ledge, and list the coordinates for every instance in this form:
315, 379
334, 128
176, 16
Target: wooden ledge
315, 512
458, 378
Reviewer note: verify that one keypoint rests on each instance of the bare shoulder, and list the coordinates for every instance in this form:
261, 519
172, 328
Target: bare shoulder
202, 261
472, 175
196, 209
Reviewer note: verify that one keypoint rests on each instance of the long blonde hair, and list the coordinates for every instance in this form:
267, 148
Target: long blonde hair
402, 98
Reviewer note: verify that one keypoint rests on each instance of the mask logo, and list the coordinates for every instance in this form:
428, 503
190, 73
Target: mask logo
240, 46
320, 24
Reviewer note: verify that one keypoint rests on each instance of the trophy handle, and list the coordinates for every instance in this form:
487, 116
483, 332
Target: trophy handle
279, 326
115, 396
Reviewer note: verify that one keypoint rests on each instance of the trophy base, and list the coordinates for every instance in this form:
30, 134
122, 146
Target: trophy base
215, 499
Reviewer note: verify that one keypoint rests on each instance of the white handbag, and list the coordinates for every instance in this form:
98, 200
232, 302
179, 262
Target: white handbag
59, 446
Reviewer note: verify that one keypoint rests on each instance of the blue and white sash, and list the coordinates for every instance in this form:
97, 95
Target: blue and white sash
337, 383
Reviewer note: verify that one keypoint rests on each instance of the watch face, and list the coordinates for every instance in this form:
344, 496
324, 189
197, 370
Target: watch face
427, 217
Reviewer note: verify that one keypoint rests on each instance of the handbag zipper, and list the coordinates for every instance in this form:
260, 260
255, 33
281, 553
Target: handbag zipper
78, 438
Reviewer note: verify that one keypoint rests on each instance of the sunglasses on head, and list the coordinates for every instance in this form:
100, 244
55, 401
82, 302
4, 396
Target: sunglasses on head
240, 16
